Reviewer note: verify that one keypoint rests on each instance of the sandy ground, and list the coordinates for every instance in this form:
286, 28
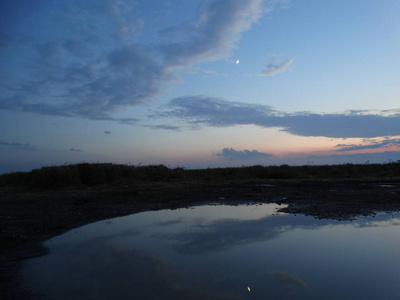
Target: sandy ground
28, 218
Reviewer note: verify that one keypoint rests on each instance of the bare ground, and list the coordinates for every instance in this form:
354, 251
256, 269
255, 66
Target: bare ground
28, 218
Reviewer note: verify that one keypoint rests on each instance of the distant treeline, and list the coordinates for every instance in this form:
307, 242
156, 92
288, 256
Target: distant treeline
90, 174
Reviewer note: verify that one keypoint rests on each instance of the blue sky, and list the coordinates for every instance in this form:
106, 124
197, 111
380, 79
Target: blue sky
199, 83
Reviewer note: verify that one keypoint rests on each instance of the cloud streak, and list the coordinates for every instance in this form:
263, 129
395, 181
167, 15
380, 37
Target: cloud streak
369, 145
16, 146
201, 110
386, 156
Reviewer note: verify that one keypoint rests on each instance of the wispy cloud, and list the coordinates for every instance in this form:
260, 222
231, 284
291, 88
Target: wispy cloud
196, 70
216, 112
275, 66
242, 155
165, 127
369, 144
378, 157
80, 72
16, 146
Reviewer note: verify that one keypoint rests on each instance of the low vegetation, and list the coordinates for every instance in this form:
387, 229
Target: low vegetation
103, 173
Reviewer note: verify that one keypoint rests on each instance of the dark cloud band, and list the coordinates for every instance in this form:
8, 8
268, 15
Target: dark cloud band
216, 112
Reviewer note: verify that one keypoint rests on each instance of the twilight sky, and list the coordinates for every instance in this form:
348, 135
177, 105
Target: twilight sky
199, 84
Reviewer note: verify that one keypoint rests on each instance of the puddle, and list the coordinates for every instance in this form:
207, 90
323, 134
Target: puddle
221, 252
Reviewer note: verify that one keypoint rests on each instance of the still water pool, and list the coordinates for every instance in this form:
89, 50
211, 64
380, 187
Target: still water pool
222, 252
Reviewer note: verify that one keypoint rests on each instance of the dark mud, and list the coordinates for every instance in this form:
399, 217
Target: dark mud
28, 218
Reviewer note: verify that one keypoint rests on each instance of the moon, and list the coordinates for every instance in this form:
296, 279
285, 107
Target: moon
237, 61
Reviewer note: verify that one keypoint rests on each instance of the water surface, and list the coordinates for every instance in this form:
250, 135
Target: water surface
222, 252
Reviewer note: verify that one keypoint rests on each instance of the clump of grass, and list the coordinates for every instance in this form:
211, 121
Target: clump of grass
102, 173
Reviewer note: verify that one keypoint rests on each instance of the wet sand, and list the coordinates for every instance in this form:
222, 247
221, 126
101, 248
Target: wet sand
28, 218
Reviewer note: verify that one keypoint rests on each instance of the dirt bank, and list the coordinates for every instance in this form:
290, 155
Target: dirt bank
27, 218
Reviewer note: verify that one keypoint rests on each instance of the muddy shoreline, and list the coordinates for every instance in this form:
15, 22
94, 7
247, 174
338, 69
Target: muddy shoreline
28, 217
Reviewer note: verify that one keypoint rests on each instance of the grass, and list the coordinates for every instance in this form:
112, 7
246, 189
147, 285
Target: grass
86, 174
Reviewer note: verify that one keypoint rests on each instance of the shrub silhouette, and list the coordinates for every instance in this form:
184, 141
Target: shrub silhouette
89, 174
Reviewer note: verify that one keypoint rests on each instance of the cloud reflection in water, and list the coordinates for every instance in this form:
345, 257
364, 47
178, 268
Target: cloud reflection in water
224, 234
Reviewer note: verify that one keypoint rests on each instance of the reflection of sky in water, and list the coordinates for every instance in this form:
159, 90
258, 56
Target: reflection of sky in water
222, 252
